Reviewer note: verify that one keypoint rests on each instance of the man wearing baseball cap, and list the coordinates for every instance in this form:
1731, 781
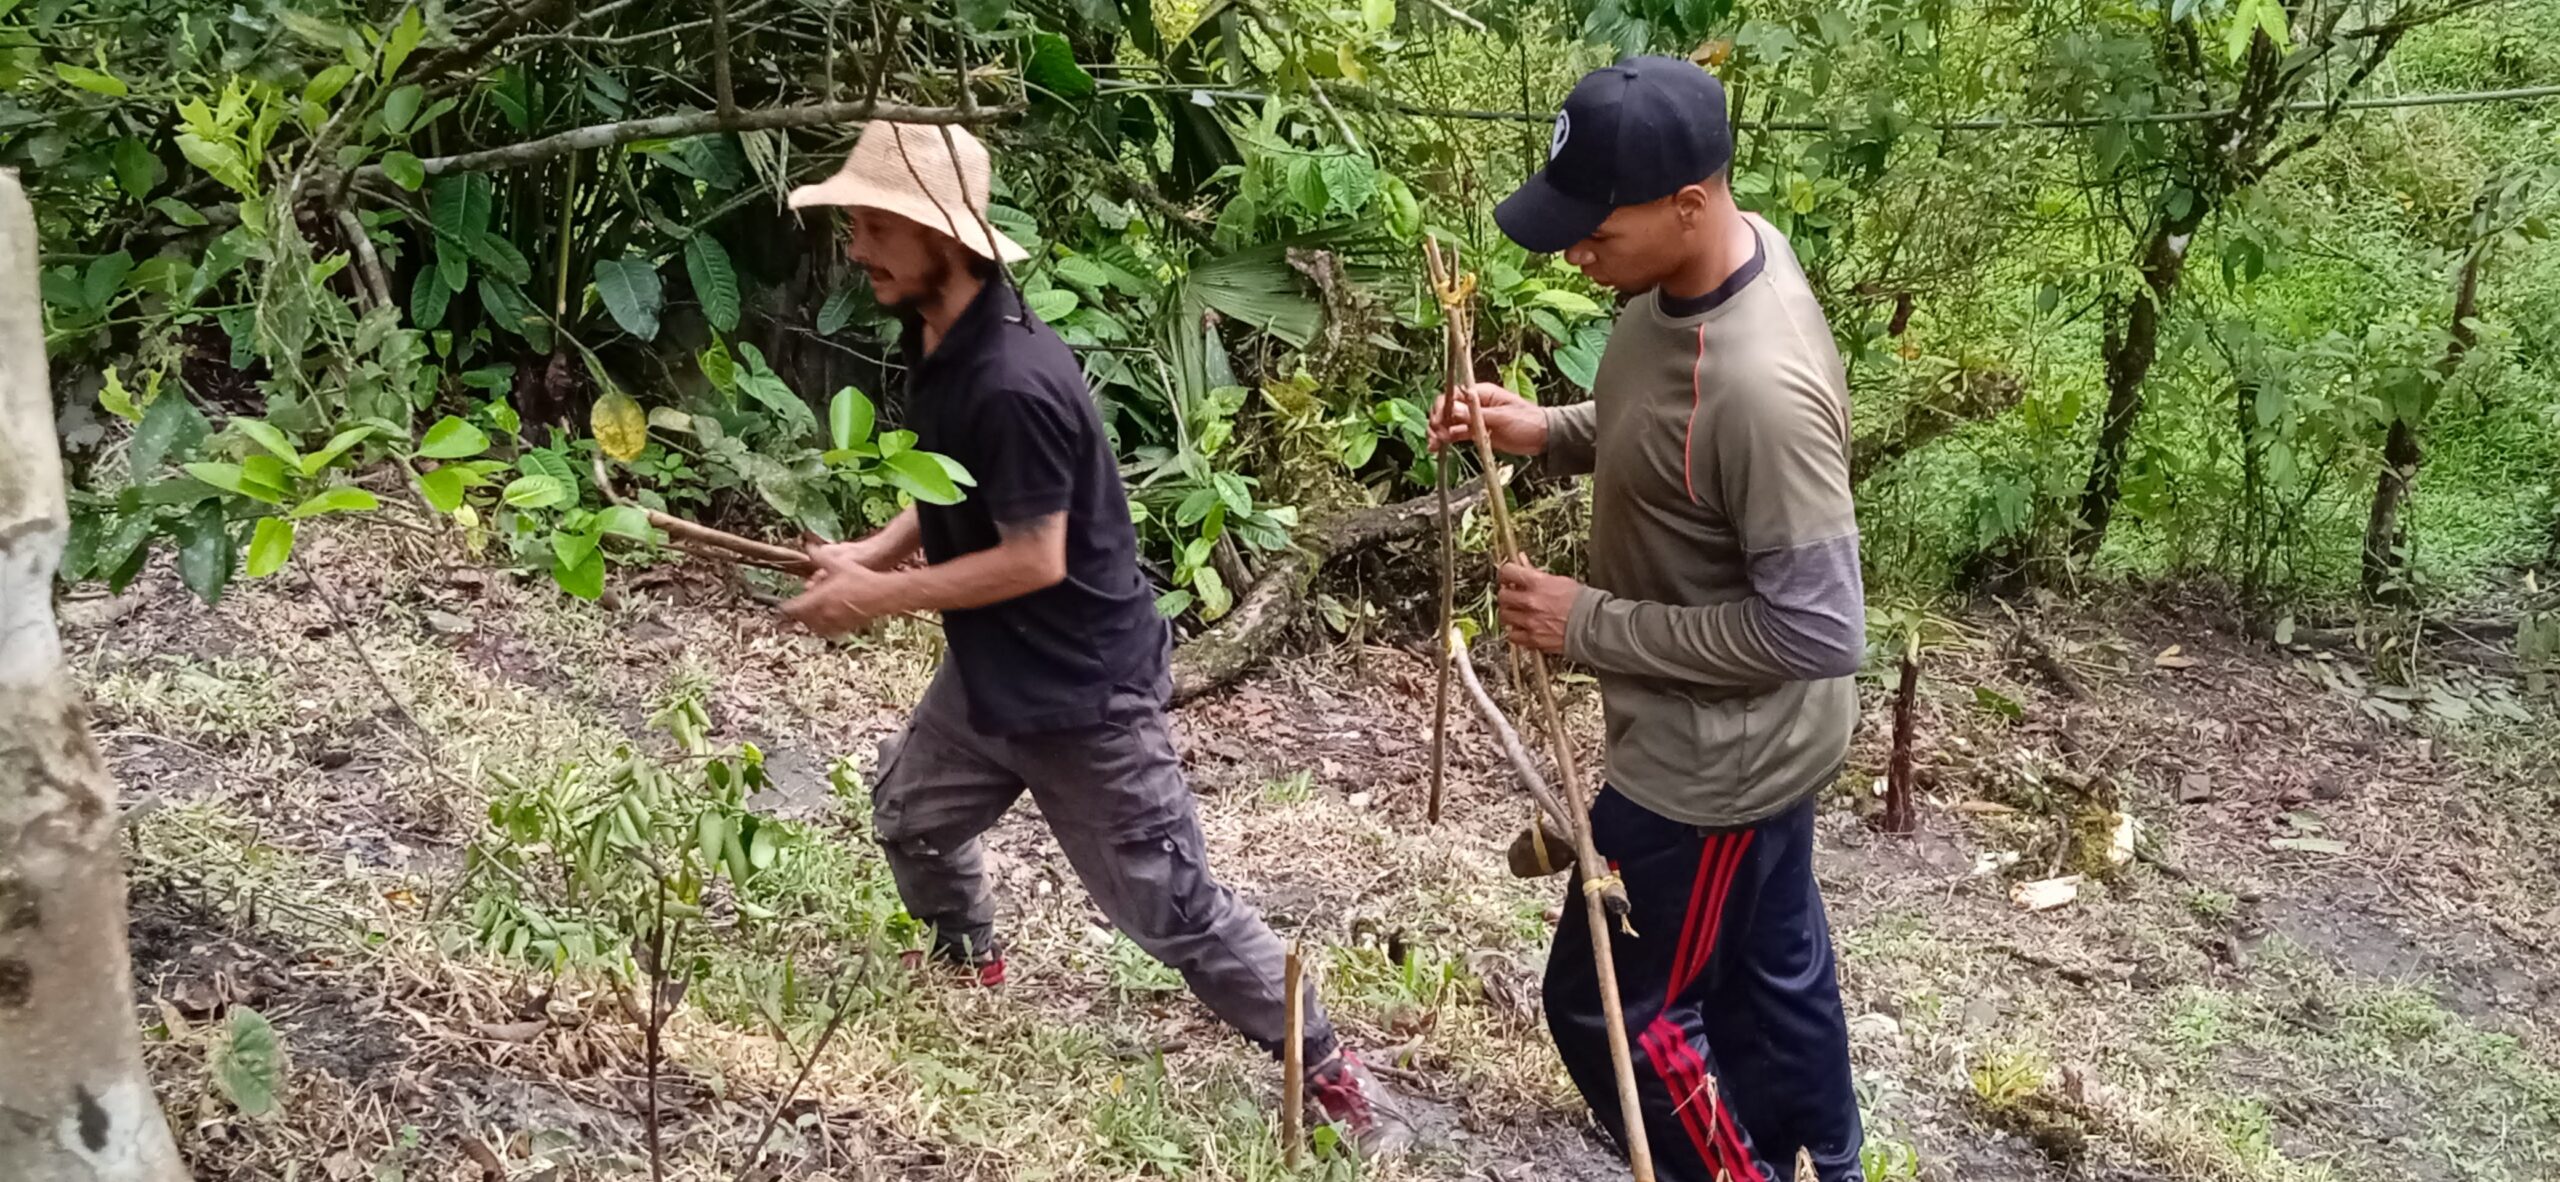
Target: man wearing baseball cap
1724, 616
1055, 681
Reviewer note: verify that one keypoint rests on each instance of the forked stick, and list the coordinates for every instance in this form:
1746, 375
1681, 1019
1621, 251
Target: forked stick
1603, 895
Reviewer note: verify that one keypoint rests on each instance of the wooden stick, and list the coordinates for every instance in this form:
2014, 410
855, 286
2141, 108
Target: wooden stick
1448, 611
1504, 734
1603, 895
1293, 1058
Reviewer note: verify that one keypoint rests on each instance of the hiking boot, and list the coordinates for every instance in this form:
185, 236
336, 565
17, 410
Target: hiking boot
1524, 853
985, 970
1370, 1116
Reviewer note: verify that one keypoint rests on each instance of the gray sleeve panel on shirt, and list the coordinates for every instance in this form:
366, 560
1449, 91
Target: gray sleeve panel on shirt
1571, 431
1804, 621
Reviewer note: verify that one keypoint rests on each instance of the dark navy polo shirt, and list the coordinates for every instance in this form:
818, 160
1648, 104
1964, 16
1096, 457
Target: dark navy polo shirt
1004, 396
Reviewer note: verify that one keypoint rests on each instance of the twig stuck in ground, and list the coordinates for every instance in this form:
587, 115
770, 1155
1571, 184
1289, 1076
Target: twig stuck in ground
1293, 1056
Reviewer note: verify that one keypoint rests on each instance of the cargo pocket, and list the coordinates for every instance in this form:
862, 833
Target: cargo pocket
888, 802
1156, 888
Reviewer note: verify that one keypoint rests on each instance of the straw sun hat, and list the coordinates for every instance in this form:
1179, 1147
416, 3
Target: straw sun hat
911, 170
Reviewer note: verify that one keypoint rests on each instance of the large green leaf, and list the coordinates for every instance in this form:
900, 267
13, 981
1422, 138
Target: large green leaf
342, 499
443, 487
404, 170
400, 106
535, 492
172, 426
453, 439
1257, 286
584, 580
758, 381
919, 476
849, 418
1053, 67
93, 81
402, 41
269, 547
265, 435
632, 293
545, 462
428, 298
509, 309
715, 282
249, 1063
204, 551
836, 312
338, 445
459, 205
501, 257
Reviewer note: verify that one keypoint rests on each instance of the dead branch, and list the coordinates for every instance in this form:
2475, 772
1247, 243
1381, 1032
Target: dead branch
1241, 639
480, 46
2025, 645
607, 135
377, 286
1505, 735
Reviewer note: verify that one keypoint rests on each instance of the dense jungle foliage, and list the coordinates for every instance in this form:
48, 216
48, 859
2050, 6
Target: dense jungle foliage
2175, 288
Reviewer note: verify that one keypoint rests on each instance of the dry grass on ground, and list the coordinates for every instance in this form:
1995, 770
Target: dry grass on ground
2222, 1010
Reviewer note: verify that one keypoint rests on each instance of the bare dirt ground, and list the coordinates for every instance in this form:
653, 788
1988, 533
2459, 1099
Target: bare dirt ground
2336, 958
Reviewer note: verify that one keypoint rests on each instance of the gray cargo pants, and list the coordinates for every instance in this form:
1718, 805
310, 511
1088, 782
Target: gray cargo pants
1114, 796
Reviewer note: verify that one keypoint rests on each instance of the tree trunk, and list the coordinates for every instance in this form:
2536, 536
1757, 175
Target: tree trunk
2132, 344
1899, 815
2400, 452
75, 1104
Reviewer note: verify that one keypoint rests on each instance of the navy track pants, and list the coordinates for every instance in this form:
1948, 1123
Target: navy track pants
1732, 1002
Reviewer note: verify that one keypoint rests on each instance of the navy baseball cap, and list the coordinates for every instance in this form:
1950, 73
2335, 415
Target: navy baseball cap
1634, 132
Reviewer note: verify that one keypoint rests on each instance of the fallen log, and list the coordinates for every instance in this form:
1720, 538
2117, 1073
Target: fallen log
1239, 641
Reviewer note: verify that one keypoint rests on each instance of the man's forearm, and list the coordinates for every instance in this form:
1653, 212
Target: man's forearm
971, 580
890, 546
1032, 556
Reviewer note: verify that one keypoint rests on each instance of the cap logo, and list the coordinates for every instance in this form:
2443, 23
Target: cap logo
1564, 128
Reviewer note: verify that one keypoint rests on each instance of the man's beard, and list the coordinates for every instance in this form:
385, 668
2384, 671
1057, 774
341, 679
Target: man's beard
930, 282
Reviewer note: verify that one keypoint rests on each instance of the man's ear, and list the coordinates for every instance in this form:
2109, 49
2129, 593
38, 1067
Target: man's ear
1692, 202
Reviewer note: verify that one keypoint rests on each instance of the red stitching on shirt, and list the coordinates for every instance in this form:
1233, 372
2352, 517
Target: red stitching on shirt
1689, 436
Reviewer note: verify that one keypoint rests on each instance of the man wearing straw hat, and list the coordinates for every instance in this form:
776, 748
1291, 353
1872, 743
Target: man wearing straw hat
1724, 616
1056, 678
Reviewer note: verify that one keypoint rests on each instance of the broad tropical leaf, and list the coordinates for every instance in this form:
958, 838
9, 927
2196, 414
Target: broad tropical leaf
631, 291
715, 282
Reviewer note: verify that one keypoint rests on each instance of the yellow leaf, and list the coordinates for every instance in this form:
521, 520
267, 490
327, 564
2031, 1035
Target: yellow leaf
621, 428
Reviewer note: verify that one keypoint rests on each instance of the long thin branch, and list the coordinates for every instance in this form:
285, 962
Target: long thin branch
608, 135
480, 46
1375, 101
755, 1155
1504, 734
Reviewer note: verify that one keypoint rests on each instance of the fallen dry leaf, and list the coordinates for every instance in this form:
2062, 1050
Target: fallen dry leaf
2308, 845
2046, 894
512, 1031
2173, 658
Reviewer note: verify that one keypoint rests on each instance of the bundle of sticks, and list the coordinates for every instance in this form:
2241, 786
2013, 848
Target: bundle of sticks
1604, 896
